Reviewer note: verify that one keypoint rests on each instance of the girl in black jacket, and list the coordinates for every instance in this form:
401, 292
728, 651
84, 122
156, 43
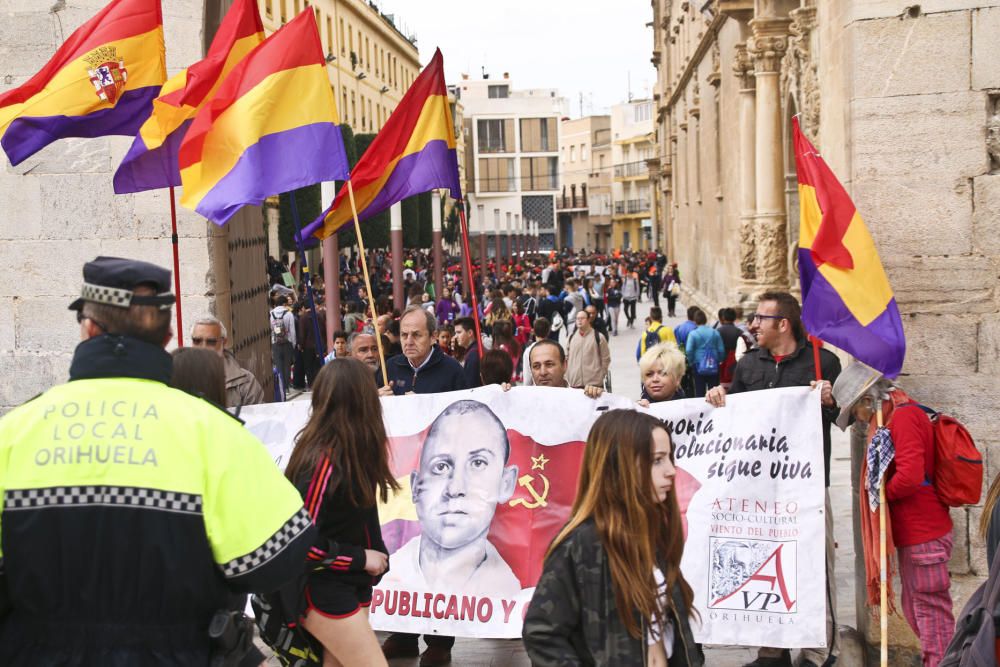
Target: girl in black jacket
340, 465
611, 591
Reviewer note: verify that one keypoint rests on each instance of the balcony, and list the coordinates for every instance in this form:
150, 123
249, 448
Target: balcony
637, 169
632, 207
570, 202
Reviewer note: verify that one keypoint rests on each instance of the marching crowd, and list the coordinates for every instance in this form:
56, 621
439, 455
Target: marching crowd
134, 538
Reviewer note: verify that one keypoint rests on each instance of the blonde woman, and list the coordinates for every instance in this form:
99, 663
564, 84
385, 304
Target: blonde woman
661, 368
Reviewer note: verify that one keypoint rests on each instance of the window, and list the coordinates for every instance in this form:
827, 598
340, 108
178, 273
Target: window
283, 10
354, 112
496, 175
343, 48
539, 173
642, 112
298, 7
368, 55
583, 152
268, 7
538, 135
344, 107
572, 153
498, 92
496, 135
350, 38
329, 35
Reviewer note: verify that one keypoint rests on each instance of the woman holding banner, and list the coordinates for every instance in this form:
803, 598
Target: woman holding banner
661, 368
621, 549
340, 464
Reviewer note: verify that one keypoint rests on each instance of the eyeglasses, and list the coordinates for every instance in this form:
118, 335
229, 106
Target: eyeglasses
209, 342
758, 316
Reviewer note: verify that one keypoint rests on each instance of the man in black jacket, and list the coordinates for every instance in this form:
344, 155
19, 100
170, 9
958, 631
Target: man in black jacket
784, 358
422, 368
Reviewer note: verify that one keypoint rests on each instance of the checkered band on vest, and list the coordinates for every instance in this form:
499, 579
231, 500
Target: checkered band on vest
108, 496
111, 296
274, 546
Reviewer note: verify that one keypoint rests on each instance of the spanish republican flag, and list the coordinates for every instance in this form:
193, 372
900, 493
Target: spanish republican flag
271, 127
101, 81
414, 153
151, 163
846, 297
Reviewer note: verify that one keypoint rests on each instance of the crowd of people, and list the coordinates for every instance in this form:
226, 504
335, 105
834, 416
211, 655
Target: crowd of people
131, 564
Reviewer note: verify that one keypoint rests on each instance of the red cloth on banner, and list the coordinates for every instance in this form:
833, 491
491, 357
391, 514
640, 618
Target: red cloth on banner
523, 527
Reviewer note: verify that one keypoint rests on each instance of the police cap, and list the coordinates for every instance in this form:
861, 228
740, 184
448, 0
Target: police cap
112, 280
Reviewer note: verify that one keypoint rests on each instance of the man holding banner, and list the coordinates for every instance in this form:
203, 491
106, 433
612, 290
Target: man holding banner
785, 358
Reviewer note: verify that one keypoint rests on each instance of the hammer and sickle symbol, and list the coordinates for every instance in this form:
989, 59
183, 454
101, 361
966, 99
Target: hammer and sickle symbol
539, 498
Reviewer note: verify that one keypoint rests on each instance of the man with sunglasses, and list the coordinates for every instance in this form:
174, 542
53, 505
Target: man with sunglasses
242, 388
784, 358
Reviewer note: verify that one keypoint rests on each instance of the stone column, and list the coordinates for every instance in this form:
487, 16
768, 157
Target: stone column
497, 247
331, 272
766, 48
437, 254
482, 241
743, 68
396, 244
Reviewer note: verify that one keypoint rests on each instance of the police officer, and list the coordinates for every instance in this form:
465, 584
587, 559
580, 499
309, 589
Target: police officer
132, 511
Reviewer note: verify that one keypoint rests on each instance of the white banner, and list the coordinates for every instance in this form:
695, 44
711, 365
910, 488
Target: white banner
488, 479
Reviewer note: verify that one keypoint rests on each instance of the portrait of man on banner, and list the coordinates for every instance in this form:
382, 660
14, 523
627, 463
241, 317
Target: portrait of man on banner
464, 473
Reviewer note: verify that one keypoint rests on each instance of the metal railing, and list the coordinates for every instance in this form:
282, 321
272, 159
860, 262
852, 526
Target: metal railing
631, 206
630, 169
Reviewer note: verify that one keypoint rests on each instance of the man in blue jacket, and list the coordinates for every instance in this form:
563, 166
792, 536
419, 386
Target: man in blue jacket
422, 368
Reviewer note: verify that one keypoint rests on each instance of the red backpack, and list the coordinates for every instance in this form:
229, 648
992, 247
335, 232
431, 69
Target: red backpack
958, 475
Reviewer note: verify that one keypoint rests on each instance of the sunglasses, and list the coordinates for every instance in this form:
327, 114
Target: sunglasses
209, 342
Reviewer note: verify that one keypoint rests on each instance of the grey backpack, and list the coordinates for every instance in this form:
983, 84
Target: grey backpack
976, 632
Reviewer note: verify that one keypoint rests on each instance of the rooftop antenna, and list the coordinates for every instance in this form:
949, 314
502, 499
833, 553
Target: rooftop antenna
629, 97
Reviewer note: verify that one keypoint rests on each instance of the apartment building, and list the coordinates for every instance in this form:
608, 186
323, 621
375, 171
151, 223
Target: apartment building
371, 60
632, 146
584, 203
512, 161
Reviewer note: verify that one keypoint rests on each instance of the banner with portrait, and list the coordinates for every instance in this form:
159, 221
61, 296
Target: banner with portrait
488, 479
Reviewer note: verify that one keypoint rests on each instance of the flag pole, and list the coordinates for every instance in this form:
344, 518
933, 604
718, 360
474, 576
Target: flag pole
304, 272
472, 277
817, 345
882, 561
368, 284
177, 268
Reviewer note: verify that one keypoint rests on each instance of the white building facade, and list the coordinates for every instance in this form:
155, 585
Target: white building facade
512, 161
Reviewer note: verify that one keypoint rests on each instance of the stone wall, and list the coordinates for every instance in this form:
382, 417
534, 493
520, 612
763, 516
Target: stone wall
924, 92
58, 209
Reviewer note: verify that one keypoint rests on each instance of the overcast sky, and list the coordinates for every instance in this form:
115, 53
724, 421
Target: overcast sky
577, 46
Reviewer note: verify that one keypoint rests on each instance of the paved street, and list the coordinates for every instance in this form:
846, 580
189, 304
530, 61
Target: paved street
625, 381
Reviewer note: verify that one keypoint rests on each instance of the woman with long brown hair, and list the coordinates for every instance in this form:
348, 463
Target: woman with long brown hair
340, 465
611, 591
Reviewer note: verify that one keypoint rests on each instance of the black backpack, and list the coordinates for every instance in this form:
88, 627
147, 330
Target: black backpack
653, 337
975, 642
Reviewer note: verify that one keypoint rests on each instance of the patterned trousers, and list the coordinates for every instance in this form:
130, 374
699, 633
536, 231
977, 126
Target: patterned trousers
923, 571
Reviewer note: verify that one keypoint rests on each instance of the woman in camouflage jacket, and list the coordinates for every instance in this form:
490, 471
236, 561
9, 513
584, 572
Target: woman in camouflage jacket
599, 564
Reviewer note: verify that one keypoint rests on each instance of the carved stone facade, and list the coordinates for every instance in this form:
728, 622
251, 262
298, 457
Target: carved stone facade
909, 122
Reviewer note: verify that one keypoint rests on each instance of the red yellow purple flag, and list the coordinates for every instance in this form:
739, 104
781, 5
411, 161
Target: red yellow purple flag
414, 153
101, 81
846, 297
271, 127
151, 162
